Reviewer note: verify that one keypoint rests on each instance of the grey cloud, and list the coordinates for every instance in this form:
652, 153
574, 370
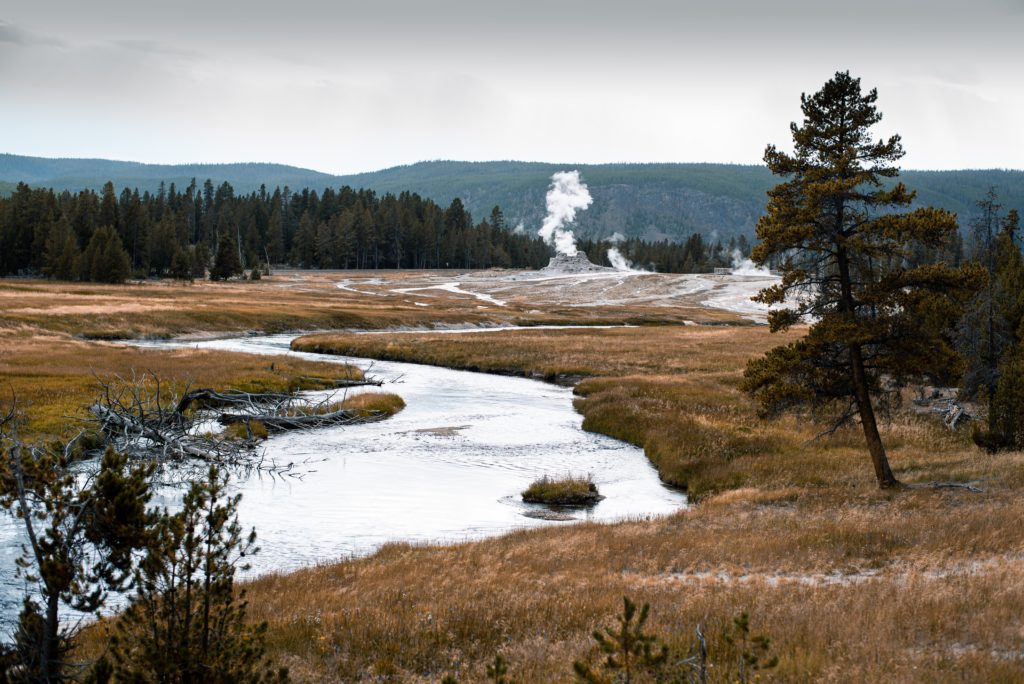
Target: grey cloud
10, 33
154, 47
350, 85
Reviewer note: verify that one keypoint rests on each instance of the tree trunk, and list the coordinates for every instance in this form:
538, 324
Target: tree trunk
883, 473
51, 665
992, 365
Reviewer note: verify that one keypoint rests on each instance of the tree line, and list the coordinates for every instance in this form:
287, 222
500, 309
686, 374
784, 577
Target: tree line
186, 233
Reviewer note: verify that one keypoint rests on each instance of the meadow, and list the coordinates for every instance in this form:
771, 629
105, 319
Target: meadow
851, 583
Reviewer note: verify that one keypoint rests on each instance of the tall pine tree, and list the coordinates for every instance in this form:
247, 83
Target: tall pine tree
842, 238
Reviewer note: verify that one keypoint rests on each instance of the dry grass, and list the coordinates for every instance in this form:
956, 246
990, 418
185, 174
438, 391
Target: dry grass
374, 403
55, 377
563, 491
852, 584
834, 589
711, 351
249, 429
283, 302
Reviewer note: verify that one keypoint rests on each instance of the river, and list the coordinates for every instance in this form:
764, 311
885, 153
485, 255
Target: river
447, 468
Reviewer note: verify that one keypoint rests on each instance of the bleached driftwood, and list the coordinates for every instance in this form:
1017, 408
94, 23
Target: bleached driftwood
302, 420
147, 417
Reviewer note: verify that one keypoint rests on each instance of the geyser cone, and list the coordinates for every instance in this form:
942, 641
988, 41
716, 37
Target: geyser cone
577, 263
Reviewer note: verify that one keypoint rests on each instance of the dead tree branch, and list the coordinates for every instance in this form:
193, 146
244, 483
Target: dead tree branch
146, 417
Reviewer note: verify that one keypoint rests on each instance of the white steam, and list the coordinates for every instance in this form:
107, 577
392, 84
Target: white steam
619, 262
567, 195
745, 267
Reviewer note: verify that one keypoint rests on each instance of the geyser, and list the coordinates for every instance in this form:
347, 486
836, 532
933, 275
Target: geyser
568, 264
567, 195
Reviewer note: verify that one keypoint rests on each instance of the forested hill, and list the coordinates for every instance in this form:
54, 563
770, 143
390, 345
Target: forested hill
651, 201
79, 174
656, 201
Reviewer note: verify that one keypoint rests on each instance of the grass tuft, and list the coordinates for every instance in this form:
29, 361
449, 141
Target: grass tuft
374, 404
250, 429
564, 491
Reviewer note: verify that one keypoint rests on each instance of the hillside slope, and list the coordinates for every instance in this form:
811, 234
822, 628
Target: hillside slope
652, 201
75, 174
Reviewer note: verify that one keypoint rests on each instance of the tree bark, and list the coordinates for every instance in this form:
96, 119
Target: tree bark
883, 473
50, 666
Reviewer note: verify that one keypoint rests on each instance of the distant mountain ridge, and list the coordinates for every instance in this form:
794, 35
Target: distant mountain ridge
76, 174
651, 201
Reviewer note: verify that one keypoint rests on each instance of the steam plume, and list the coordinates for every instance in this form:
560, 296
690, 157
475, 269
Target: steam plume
745, 267
567, 195
618, 261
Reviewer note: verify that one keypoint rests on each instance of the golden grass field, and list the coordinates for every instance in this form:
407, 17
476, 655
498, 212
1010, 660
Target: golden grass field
55, 377
291, 300
851, 583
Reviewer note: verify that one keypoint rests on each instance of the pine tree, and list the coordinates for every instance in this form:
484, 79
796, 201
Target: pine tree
628, 649
61, 252
304, 251
842, 238
163, 244
275, 234
186, 622
992, 335
752, 652
200, 260
1010, 276
226, 264
986, 330
497, 219
105, 259
110, 214
82, 531
181, 264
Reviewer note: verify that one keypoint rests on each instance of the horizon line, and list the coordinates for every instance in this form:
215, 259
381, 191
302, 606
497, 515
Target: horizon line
464, 161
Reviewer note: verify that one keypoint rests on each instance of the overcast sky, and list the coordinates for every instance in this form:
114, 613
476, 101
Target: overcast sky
345, 87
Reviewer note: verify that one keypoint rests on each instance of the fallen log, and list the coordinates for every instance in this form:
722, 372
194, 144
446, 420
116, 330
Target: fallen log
342, 382
280, 423
208, 398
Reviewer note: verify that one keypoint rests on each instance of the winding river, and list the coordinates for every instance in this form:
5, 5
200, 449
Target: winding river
447, 468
